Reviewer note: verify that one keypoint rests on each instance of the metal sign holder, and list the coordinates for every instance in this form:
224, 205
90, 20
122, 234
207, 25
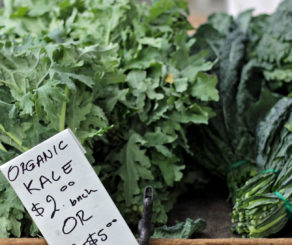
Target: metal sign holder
146, 227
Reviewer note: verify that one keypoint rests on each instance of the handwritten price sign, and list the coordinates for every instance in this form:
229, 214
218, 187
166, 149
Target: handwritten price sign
63, 195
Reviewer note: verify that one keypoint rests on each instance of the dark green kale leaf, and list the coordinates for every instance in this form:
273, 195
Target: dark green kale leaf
182, 230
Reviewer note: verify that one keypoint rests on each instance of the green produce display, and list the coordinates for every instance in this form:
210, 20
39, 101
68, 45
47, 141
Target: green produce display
249, 140
263, 204
121, 75
142, 97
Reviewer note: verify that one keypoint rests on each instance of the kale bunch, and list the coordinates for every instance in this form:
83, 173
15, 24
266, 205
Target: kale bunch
121, 75
249, 141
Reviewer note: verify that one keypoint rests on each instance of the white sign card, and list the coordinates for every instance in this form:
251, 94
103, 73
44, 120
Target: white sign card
64, 196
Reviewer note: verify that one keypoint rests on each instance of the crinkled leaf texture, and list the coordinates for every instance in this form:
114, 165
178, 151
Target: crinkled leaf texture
182, 230
101, 68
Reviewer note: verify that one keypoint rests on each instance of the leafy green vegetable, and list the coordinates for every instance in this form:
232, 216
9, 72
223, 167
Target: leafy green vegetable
289, 126
261, 212
258, 211
37, 107
121, 75
253, 115
181, 230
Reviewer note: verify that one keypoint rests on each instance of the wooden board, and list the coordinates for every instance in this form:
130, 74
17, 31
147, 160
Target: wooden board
228, 241
197, 20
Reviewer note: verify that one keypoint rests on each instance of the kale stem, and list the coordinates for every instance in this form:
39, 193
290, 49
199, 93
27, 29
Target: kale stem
14, 84
63, 111
2, 147
42, 79
14, 138
108, 33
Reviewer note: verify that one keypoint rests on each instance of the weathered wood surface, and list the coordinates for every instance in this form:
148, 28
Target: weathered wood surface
23, 241
227, 241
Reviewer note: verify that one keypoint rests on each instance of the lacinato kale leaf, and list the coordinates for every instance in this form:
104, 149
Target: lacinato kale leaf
249, 141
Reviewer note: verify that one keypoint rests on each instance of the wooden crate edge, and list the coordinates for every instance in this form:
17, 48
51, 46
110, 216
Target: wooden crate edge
227, 241
224, 241
22, 241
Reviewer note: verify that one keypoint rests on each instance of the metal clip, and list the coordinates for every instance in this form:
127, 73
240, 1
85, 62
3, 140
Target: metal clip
146, 228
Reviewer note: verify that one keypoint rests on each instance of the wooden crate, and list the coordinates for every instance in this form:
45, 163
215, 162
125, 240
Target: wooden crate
227, 241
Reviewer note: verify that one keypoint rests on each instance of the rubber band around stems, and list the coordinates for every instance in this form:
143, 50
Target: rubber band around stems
288, 205
270, 170
242, 162
235, 165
